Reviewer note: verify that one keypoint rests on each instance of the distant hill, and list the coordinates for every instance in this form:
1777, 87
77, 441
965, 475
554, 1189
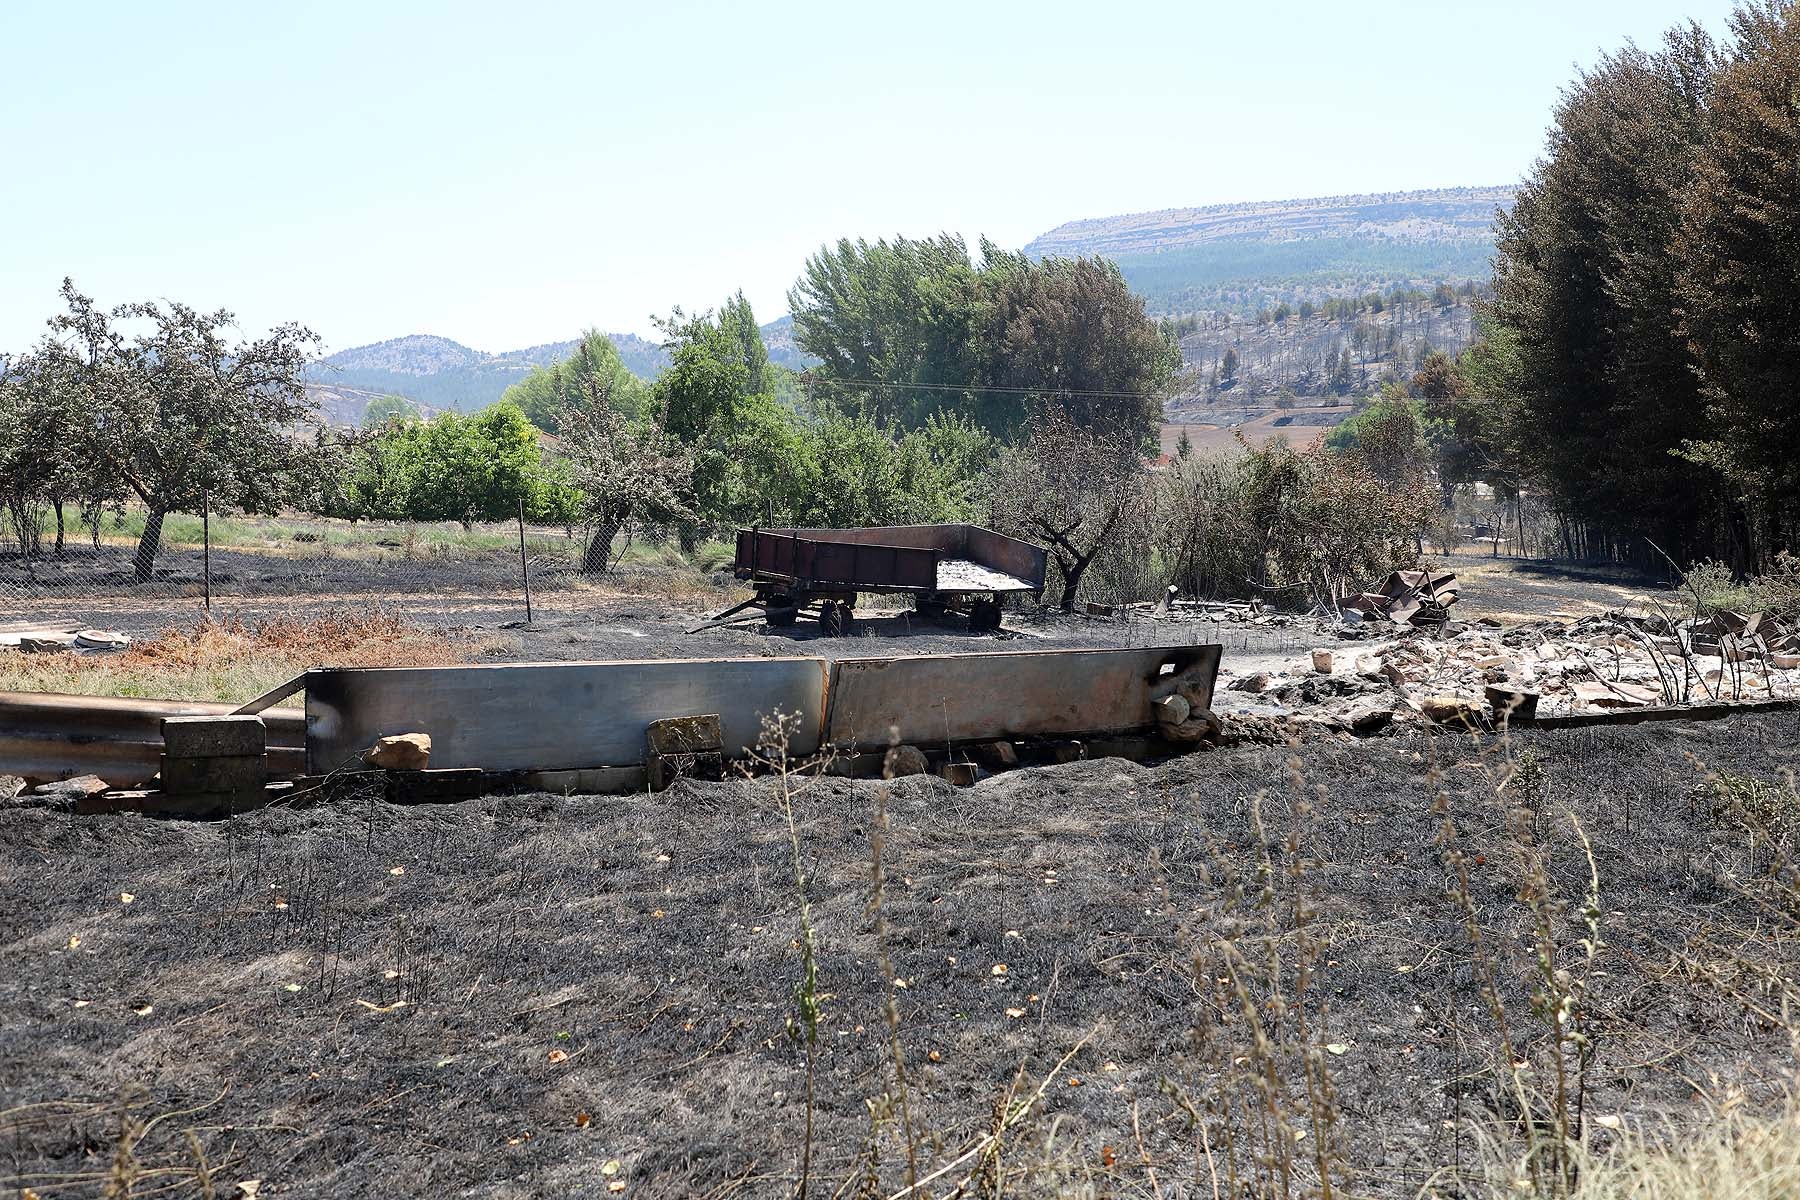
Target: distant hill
441, 374
1245, 257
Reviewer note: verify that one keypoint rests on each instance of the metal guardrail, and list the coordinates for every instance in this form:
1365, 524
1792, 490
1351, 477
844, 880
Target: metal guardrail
47, 735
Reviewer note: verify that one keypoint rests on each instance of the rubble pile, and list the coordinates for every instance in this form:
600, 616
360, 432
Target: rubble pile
1421, 598
1457, 673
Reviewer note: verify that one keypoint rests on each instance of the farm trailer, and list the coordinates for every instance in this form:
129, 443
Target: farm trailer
945, 568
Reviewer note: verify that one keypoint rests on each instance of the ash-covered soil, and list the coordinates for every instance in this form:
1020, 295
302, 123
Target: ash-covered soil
545, 996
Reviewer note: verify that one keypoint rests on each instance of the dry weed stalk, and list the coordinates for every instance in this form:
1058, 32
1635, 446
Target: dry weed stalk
878, 831
772, 754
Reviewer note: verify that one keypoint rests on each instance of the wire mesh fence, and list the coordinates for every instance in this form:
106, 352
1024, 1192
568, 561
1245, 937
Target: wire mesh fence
303, 560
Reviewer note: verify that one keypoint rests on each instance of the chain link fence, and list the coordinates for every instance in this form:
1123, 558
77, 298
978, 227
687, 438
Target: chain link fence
274, 565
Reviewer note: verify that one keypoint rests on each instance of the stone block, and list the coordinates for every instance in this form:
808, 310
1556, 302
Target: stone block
213, 737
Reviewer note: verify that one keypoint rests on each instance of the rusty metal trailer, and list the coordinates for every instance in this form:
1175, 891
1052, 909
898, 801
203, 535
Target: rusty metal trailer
944, 568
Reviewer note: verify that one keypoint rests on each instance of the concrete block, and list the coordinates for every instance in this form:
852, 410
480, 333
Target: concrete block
239, 773
684, 735
213, 737
680, 747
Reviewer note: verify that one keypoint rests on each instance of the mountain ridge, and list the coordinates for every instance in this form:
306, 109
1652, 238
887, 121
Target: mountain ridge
1244, 256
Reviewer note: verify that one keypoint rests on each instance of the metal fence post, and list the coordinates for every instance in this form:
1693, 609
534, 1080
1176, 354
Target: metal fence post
206, 543
524, 570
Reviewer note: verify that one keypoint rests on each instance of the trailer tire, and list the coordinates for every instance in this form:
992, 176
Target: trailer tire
781, 611
834, 618
984, 616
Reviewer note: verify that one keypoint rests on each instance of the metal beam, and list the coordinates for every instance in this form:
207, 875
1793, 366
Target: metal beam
554, 716
945, 698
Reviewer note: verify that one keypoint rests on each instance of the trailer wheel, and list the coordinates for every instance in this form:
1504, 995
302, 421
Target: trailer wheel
984, 616
780, 611
834, 618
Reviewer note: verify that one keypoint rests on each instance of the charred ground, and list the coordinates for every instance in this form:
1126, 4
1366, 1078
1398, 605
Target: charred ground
595, 981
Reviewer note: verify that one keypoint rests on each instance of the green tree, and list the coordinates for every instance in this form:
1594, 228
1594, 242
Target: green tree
619, 474
1069, 333
180, 412
893, 323
543, 393
383, 409
911, 328
1585, 285
1739, 250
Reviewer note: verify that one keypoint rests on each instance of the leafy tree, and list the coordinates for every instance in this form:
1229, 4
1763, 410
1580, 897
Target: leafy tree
41, 465
894, 323
619, 474
383, 409
1069, 333
543, 393
1739, 250
179, 412
1585, 285
912, 328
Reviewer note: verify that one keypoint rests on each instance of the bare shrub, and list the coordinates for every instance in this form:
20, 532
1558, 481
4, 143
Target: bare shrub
1074, 488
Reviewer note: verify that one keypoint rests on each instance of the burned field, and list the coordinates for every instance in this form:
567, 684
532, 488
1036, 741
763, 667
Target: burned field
1226, 966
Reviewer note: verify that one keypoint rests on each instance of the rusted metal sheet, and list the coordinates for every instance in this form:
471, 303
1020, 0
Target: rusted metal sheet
554, 716
46, 735
935, 699
860, 565
893, 558
1001, 553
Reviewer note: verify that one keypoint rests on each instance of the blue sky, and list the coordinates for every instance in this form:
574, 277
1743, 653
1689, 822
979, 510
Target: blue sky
508, 174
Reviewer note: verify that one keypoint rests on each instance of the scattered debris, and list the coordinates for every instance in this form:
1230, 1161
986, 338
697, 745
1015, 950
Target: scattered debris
62, 638
11, 787
1451, 673
1420, 598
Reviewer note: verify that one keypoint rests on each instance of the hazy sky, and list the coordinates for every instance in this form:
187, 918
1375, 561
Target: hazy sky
508, 174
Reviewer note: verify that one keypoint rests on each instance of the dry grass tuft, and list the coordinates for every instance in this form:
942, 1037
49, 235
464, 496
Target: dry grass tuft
233, 660
1731, 1154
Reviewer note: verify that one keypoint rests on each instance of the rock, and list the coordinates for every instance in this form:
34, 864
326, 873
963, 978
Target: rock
1321, 661
11, 786
905, 760
998, 755
1365, 721
1511, 705
1201, 726
960, 774
1617, 695
78, 787
402, 752
1258, 682
1447, 710
1172, 710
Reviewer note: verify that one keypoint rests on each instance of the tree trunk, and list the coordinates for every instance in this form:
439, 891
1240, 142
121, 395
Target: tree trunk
1072, 574
59, 525
595, 558
144, 561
